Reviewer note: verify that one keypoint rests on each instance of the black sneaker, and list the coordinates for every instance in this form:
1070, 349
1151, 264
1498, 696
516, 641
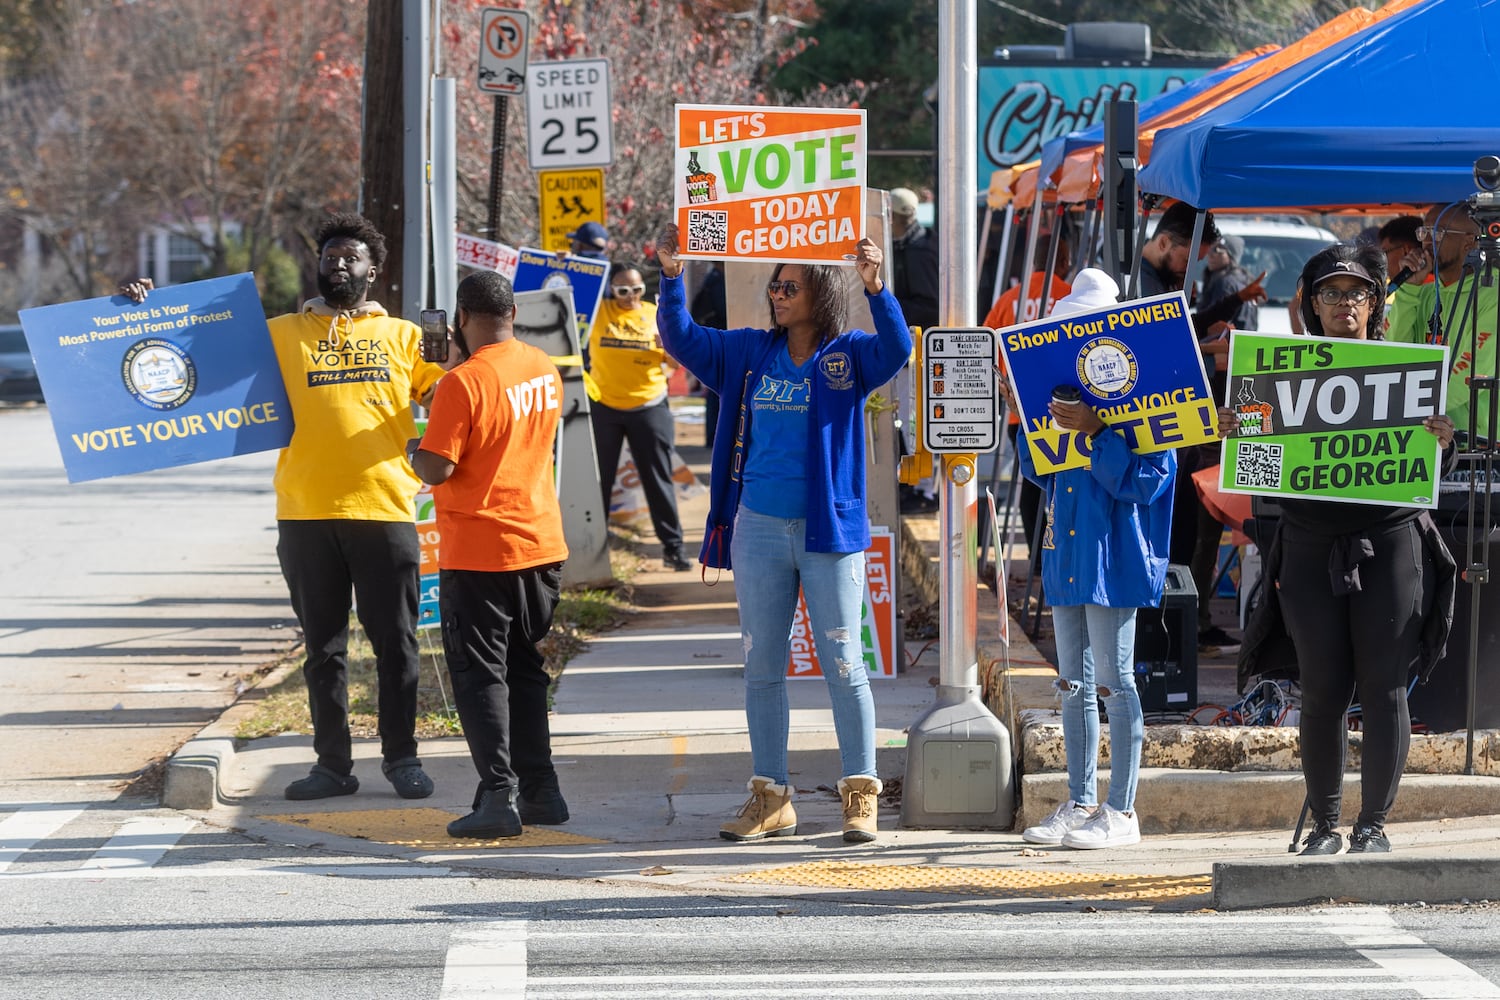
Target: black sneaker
676, 563
1323, 840
1367, 838
1215, 638
544, 805
494, 817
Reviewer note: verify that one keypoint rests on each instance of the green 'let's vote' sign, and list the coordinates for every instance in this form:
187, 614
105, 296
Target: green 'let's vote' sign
1328, 419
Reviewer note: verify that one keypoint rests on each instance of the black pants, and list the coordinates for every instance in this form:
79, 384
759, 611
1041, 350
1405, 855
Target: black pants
1361, 644
321, 561
651, 434
1033, 509
492, 623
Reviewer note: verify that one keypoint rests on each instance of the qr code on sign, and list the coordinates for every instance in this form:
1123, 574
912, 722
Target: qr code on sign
708, 232
1257, 465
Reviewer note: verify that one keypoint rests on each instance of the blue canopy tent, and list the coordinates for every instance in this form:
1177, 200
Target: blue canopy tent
1054, 151
1395, 114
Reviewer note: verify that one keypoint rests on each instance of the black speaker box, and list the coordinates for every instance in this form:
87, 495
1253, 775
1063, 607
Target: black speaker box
1442, 704
1166, 647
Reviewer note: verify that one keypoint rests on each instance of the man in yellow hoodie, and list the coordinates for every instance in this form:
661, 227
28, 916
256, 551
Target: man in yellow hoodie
345, 501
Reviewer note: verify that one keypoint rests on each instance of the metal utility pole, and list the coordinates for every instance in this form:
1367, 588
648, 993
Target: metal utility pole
380, 196
958, 757
416, 65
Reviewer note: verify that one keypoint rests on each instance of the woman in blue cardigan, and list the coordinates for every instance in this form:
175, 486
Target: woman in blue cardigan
787, 505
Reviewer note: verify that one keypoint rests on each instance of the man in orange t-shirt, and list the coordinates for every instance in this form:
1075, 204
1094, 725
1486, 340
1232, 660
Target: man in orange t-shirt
488, 452
1003, 312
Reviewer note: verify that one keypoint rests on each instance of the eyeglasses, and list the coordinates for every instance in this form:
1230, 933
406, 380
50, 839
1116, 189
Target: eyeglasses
1425, 233
786, 289
1353, 296
622, 291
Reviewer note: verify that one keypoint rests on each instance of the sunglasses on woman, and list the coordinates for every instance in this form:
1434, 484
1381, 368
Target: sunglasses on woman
621, 291
786, 289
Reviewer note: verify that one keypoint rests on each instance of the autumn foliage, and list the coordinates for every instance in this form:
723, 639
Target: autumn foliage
211, 118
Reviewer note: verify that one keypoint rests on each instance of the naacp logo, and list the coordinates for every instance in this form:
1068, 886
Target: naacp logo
1107, 368
837, 370
159, 374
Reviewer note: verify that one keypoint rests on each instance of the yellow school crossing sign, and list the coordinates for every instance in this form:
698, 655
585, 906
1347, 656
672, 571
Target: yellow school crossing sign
568, 199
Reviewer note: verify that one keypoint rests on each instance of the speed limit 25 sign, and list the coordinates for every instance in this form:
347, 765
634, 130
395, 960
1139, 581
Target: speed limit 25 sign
568, 121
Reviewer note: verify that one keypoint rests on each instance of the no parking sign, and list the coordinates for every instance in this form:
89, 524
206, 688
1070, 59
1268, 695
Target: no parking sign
502, 51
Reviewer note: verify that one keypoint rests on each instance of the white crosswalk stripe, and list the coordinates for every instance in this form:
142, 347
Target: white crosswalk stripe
1379, 958
42, 841
486, 961
1372, 932
30, 826
141, 843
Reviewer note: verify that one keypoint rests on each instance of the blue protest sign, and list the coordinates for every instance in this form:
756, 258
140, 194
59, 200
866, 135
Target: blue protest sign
1138, 366
538, 270
187, 376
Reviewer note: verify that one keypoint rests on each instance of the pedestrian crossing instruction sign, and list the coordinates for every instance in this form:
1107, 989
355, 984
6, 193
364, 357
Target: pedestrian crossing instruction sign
568, 199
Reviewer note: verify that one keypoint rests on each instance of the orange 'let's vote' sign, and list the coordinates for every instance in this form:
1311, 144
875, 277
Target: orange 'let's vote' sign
777, 184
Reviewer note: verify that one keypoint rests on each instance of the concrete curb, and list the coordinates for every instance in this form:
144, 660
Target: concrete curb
1242, 885
191, 780
1173, 801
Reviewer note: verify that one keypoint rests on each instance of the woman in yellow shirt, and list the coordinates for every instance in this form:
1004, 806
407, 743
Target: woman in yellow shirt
629, 365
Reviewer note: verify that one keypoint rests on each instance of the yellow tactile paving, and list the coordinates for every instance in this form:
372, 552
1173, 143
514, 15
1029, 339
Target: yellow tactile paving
1010, 883
419, 827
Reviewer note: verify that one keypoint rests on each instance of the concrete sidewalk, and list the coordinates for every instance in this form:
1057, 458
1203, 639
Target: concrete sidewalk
651, 747
650, 744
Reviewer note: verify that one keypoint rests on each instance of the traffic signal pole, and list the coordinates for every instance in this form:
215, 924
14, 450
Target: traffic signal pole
959, 771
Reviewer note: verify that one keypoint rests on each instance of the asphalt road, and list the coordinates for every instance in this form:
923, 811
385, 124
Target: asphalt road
223, 918
131, 608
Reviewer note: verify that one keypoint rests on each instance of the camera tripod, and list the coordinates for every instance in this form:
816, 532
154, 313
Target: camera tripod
1481, 444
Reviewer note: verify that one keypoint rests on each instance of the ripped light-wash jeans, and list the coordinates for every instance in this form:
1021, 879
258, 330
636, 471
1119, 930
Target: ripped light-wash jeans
1096, 649
770, 560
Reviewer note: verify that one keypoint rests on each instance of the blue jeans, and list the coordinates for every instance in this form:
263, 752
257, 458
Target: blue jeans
1096, 649
770, 558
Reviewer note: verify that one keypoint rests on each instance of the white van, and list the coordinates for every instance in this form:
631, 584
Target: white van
1280, 249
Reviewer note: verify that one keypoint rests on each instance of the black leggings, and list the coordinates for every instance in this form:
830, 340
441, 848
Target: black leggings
1361, 643
652, 435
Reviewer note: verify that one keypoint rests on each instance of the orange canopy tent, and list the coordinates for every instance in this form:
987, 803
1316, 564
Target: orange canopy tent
1078, 178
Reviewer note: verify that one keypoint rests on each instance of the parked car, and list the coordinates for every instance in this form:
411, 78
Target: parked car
1280, 249
18, 381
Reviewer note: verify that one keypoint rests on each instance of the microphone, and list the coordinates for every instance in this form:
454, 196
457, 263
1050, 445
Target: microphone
1398, 280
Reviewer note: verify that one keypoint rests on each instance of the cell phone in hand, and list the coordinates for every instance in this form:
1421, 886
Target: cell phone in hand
435, 335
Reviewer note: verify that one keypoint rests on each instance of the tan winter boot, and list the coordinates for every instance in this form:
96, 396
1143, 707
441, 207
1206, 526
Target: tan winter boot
860, 806
767, 812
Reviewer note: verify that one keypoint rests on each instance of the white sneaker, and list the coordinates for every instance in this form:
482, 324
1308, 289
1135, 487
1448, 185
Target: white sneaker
1062, 821
1106, 828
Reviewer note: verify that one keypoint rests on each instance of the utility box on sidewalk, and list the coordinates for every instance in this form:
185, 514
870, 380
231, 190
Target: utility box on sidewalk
1166, 647
959, 767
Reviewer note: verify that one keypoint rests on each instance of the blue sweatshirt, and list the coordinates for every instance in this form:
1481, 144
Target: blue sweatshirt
1108, 526
847, 369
